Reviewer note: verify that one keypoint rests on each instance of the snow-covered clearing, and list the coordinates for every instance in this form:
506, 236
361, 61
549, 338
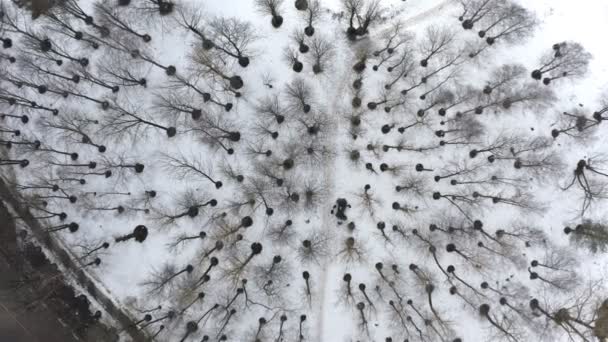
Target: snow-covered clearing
239, 180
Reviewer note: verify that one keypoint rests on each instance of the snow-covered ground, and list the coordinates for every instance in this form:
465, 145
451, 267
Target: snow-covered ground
400, 288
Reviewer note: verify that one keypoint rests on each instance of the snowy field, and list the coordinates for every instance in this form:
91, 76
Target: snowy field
228, 180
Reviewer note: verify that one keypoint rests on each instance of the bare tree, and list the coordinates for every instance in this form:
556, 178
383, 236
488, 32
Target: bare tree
590, 234
111, 17
271, 7
474, 11
292, 56
322, 53
565, 60
510, 22
311, 14
591, 179
361, 14
437, 40
233, 37
120, 122
182, 166
299, 95
575, 124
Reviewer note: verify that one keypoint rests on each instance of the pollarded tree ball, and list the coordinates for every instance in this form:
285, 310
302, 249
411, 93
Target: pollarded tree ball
484, 309
424, 63
73, 227
171, 132
362, 287
146, 38
386, 129
234, 136
356, 102
372, 105
139, 168
351, 225
165, 7
208, 44
367, 187
218, 184
256, 248
7, 43
246, 221
243, 61
196, 114
419, 167
25, 119
45, 45
450, 247
567, 230
451, 269
484, 285
379, 265
467, 24
481, 34
191, 327
358, 83
381, 225
269, 211
214, 261
546, 81
301, 5
396, 206
108, 174
306, 243
350, 242
347, 277
458, 339
193, 211
12, 59
306, 108
490, 40
170, 70
442, 111
305, 275
283, 318
276, 21
473, 153
288, 164
297, 66
537, 74
383, 167
74, 156
309, 31
303, 48
375, 68
236, 82
140, 233
83, 62
73, 199
105, 105
479, 110
477, 225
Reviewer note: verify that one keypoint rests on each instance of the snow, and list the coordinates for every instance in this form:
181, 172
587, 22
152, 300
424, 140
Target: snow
126, 266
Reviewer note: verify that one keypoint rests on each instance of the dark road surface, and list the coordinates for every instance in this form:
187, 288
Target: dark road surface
17, 324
